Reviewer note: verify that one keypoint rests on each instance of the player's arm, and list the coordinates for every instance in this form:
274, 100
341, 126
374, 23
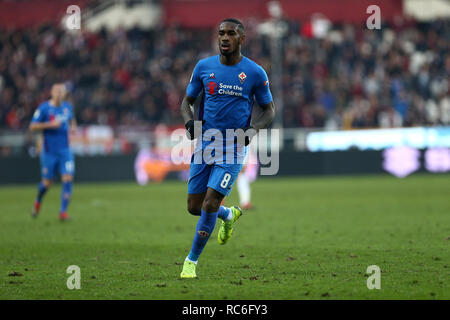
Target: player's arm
38, 122
265, 101
266, 117
37, 126
186, 108
188, 116
264, 98
262, 122
73, 125
192, 92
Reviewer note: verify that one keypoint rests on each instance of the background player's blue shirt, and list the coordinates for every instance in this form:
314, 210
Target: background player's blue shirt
229, 92
55, 140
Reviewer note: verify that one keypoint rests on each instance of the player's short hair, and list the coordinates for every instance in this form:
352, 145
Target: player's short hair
236, 21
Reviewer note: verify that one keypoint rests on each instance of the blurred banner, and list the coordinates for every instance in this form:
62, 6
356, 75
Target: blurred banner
105, 140
201, 15
144, 154
378, 139
25, 14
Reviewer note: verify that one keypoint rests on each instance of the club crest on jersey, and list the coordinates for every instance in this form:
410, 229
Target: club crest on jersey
212, 87
212, 76
242, 76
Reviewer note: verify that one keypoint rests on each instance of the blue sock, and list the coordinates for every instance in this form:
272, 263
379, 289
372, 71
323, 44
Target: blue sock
66, 193
41, 192
223, 212
205, 227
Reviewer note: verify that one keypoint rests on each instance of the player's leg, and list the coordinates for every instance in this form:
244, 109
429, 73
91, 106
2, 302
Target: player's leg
66, 194
48, 166
195, 202
67, 169
197, 187
219, 185
43, 187
205, 227
243, 187
206, 223
246, 177
222, 179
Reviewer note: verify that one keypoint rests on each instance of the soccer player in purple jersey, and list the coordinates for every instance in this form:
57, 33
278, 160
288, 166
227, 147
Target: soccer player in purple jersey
230, 82
55, 117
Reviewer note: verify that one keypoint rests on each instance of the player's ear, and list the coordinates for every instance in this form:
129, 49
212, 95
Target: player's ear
242, 38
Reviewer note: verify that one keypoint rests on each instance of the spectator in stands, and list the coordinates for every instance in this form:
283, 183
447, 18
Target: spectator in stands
349, 79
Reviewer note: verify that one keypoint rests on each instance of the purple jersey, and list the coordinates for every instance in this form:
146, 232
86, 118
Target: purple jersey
229, 91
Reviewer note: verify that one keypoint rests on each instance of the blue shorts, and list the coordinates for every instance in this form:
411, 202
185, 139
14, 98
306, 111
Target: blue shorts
61, 161
219, 177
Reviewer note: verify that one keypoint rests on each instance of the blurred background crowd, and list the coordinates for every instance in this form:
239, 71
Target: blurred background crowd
352, 77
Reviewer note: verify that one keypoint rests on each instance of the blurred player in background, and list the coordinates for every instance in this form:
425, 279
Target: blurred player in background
247, 176
55, 117
230, 83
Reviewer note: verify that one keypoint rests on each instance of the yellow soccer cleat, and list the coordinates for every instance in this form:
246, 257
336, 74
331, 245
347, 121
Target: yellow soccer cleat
188, 270
226, 228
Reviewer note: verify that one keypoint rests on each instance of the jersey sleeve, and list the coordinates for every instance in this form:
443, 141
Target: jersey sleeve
262, 92
195, 85
39, 115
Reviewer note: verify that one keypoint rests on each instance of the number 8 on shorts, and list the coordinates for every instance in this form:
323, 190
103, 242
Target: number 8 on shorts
225, 180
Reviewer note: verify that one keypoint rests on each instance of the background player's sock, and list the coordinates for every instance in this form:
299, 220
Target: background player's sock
225, 213
41, 192
66, 193
243, 186
205, 227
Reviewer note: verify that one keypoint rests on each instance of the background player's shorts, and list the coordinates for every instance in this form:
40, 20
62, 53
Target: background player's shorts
61, 161
220, 177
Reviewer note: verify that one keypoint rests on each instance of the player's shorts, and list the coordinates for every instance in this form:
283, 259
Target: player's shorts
220, 177
61, 161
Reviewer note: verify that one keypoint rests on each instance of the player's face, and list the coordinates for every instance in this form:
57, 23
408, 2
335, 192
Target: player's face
229, 38
58, 92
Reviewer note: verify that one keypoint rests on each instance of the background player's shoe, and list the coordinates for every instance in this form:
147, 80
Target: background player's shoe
188, 270
226, 228
63, 216
35, 210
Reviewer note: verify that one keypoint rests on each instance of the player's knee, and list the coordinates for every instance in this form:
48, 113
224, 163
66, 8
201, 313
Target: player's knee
211, 205
67, 178
194, 211
193, 208
47, 183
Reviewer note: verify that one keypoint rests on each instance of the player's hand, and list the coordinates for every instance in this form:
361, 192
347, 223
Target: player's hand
249, 132
190, 129
54, 124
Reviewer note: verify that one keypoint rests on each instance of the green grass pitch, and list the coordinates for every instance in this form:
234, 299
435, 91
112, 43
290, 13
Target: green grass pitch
309, 238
